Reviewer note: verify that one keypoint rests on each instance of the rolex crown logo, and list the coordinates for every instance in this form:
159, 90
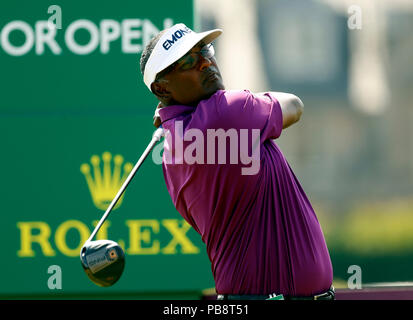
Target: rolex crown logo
105, 183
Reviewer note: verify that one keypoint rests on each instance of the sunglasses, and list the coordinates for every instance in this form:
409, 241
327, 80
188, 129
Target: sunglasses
189, 60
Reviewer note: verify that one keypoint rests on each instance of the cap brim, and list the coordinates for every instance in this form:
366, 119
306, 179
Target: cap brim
211, 35
207, 37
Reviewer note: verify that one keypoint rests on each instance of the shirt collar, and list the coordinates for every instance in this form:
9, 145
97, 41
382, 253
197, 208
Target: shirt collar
170, 112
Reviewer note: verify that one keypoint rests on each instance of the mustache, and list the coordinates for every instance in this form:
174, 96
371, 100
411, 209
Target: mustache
210, 71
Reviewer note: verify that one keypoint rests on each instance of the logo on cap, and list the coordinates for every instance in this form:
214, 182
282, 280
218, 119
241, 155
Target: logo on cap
175, 37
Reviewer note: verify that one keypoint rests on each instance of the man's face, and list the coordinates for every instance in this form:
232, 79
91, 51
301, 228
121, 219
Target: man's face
192, 78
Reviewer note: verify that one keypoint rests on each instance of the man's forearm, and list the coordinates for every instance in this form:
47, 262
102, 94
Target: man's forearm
291, 106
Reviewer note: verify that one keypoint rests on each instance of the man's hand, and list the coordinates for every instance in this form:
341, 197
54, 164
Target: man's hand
156, 117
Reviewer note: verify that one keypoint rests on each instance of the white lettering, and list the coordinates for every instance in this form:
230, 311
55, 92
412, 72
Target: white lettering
46, 35
134, 34
174, 152
70, 37
179, 149
354, 281
197, 146
55, 280
29, 38
129, 34
109, 31
355, 19
255, 158
222, 135
56, 17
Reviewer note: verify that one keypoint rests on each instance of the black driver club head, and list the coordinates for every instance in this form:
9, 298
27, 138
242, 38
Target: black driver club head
103, 261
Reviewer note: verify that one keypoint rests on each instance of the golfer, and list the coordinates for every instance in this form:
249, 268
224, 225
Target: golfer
261, 233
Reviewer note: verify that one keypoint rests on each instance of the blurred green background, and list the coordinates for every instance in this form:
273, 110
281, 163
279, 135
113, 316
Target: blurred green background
349, 62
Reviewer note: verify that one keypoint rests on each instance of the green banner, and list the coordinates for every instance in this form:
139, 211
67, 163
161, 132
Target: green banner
75, 116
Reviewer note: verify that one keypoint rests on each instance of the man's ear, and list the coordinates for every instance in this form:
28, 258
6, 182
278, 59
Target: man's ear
159, 88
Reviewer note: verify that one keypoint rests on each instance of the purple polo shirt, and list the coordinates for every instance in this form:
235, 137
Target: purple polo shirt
261, 233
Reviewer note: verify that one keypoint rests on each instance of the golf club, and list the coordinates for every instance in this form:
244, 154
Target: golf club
104, 260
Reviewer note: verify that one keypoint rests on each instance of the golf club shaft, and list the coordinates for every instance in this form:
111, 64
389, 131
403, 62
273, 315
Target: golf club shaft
156, 137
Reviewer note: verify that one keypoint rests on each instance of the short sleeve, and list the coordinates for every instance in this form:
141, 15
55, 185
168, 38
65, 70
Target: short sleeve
245, 110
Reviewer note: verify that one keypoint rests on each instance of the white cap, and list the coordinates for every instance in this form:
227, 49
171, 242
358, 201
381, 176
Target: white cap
173, 45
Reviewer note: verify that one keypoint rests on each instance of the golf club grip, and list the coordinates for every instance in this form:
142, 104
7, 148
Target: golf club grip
156, 137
